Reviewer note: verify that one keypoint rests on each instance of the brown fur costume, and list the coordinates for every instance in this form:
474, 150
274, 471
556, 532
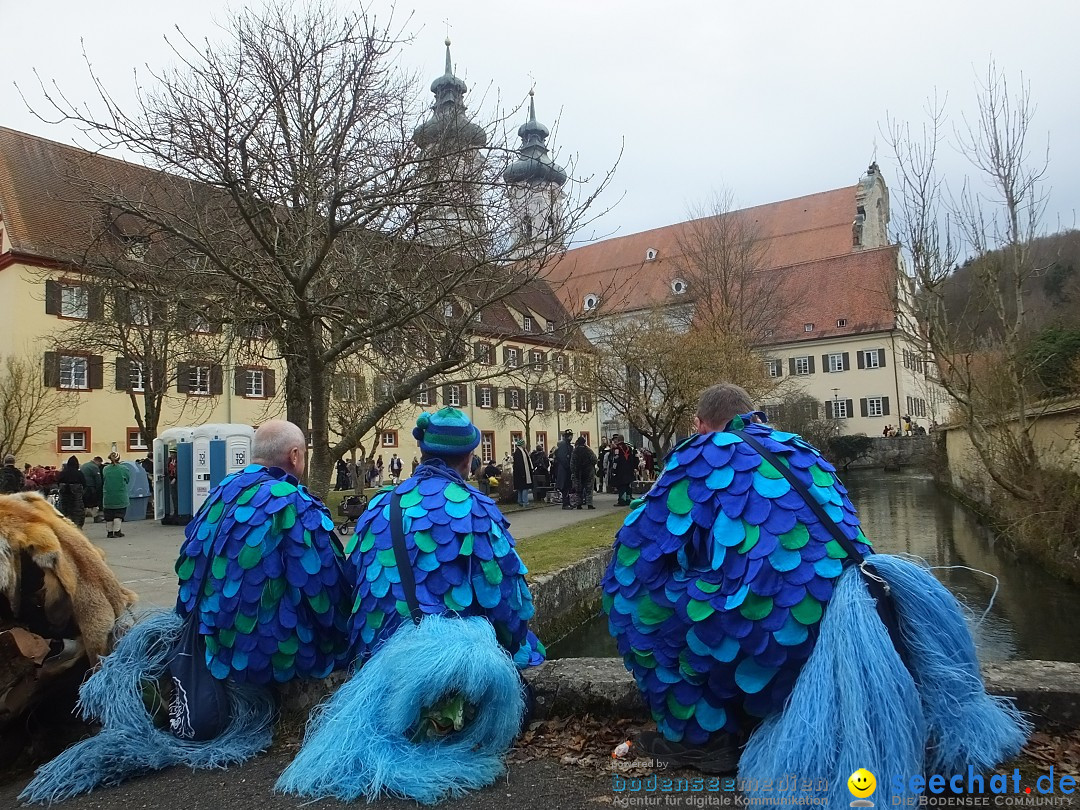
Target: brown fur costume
78, 587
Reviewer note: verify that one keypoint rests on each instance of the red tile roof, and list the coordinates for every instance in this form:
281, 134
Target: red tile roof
859, 288
804, 229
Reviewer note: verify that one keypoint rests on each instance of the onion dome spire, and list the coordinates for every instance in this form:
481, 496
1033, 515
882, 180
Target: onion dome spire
534, 165
448, 120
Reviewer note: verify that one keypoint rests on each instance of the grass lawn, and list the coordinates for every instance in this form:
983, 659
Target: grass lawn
553, 550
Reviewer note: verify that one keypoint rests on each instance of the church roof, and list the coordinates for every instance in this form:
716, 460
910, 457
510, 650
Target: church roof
448, 122
534, 164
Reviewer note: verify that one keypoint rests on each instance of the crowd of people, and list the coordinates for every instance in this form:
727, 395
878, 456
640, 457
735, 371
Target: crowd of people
96, 490
907, 427
375, 474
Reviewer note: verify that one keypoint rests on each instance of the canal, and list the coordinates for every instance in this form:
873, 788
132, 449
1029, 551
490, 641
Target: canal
1032, 615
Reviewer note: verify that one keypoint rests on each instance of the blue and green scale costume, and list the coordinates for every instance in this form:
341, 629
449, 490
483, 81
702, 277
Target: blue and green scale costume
274, 600
464, 562
719, 580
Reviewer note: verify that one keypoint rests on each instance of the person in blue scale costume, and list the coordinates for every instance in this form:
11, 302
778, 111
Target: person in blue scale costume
265, 587
440, 632
765, 636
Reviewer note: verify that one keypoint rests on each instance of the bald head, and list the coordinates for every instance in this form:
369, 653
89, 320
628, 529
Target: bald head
280, 444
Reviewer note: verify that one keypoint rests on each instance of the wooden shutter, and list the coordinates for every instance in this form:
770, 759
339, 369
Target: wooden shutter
791, 366
183, 377
445, 395
123, 374
463, 394
884, 406
828, 409
860, 357
506, 398
506, 355
864, 409
96, 308
544, 399
850, 409
52, 370
52, 298
95, 371
239, 381
825, 367
476, 392
217, 386
847, 361
588, 403
270, 383
811, 359
881, 357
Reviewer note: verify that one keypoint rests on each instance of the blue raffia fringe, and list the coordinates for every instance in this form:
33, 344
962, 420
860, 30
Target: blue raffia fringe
129, 742
856, 705
356, 743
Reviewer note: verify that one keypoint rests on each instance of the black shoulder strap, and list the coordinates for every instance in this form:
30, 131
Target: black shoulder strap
875, 584
401, 557
804, 493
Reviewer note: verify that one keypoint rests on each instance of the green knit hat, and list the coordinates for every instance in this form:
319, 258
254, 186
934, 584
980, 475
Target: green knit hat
447, 432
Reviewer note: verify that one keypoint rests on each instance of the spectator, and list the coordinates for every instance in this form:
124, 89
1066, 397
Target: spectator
624, 465
341, 483
601, 464
415, 464
583, 472
115, 479
72, 491
539, 460
563, 473
11, 479
379, 472
522, 471
396, 466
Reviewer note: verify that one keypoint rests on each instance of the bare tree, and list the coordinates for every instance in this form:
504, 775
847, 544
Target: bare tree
530, 392
287, 164
651, 370
995, 217
28, 410
723, 259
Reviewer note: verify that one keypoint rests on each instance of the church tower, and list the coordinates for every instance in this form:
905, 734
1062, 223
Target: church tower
450, 145
535, 185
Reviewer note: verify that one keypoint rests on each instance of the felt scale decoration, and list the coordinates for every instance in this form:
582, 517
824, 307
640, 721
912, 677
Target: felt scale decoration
723, 597
274, 604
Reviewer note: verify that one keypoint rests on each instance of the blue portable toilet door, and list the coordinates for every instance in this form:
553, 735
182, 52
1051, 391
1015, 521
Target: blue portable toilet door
217, 462
185, 481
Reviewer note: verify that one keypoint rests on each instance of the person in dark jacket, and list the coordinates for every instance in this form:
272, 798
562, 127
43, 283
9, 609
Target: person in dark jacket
563, 474
522, 473
72, 488
91, 471
341, 483
11, 478
623, 468
583, 472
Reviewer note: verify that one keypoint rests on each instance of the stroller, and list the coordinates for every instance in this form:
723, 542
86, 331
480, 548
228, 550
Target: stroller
350, 508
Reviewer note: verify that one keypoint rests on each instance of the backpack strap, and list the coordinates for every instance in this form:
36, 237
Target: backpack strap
401, 557
876, 585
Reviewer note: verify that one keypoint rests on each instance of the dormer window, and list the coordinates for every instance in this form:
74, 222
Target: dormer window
808, 327
527, 323
550, 326
650, 255
678, 286
448, 311
841, 322
591, 302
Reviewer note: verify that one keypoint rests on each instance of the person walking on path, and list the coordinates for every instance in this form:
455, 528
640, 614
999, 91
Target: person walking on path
396, 466
11, 478
563, 474
115, 479
91, 472
624, 466
72, 490
583, 466
522, 473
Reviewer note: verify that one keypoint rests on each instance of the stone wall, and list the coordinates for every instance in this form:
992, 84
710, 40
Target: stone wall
897, 452
567, 598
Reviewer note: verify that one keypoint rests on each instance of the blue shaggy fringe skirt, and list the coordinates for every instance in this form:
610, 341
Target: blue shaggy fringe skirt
129, 743
357, 743
857, 705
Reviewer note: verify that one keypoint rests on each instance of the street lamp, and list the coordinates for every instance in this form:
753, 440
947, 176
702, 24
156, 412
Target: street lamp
835, 403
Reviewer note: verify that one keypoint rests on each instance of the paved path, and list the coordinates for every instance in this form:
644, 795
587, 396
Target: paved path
144, 557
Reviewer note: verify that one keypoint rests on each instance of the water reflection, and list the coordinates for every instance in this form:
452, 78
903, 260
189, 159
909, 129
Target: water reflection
1033, 615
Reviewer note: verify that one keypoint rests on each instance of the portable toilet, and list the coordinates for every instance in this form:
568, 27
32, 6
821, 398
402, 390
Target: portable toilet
218, 451
138, 491
173, 488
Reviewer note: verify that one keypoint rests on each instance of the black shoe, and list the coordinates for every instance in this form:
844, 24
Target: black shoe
721, 756
111, 534
579, 506
591, 506
118, 534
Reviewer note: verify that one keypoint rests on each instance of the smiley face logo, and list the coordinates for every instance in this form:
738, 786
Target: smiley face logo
862, 783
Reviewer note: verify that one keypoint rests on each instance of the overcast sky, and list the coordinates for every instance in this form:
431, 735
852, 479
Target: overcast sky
770, 100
